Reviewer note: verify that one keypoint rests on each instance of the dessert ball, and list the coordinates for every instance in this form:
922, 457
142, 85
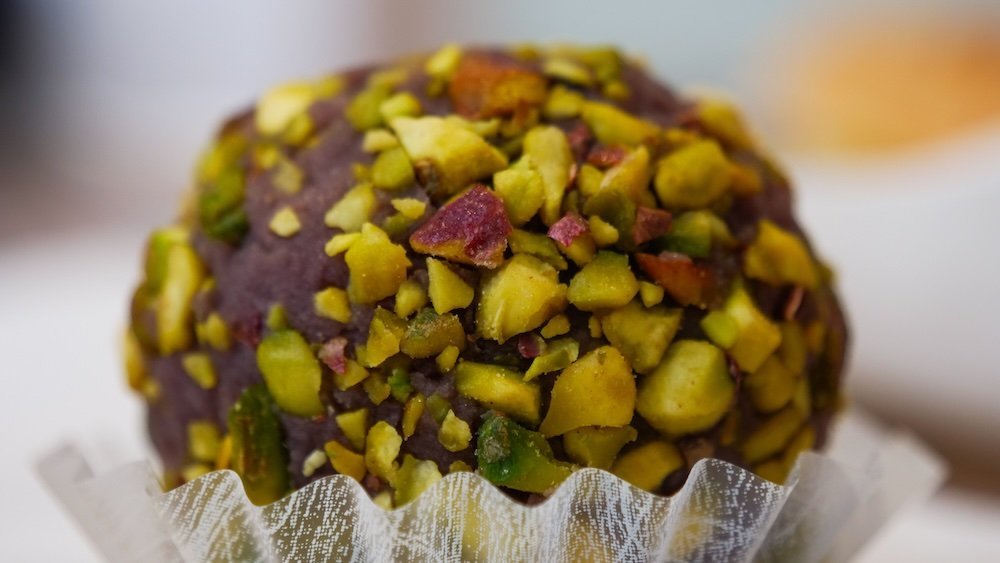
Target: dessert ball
518, 262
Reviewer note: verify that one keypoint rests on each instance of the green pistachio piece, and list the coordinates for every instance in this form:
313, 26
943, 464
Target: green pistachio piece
548, 151
438, 406
695, 175
722, 120
354, 209
392, 170
412, 411
446, 359
135, 364
410, 298
613, 126
641, 334
399, 383
198, 366
596, 390
690, 391
755, 336
589, 180
291, 372
220, 206
444, 62
377, 266
558, 355
277, 317
593, 446
617, 209
285, 222
364, 110
771, 387
606, 282
354, 373
214, 332
512, 456
183, 275
384, 335
409, 207
354, 425
568, 71
203, 440
455, 433
403, 104
693, 232
258, 452
604, 233
537, 245
429, 334
453, 156
562, 103
605, 62
378, 140
415, 476
779, 257
287, 176
382, 449
331, 303
650, 293
377, 387
519, 296
793, 351
631, 177
499, 388
280, 105
772, 436
557, 326
344, 461
648, 465
447, 290
522, 192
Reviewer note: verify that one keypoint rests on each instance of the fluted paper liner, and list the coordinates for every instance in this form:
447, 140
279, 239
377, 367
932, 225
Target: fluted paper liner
831, 504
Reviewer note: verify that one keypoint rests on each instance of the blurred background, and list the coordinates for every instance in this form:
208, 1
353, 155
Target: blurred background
886, 113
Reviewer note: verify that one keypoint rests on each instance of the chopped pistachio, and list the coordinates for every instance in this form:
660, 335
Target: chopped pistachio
593, 446
361, 172
650, 293
512, 456
412, 411
459, 466
454, 433
258, 456
581, 251
446, 359
557, 325
604, 283
339, 243
447, 290
558, 355
499, 388
689, 392
616, 90
399, 383
438, 406
589, 179
594, 324
277, 317
410, 298
772, 435
693, 233
721, 120
793, 350
354, 374
331, 303
344, 461
772, 386
631, 177
363, 111
312, 462
779, 257
354, 425
568, 71
392, 170
613, 126
384, 335
618, 210
353, 210
378, 140
220, 205
377, 388
414, 477
285, 222
377, 266
198, 366
522, 192
287, 176
720, 329
409, 207
182, 275
756, 336
641, 334
802, 400
135, 364
456, 155
562, 103
596, 390
225, 455
281, 104
203, 440
382, 449
214, 332
403, 104
291, 372
604, 233
695, 175
537, 245
192, 471
648, 465
548, 151
517, 297
444, 62
429, 334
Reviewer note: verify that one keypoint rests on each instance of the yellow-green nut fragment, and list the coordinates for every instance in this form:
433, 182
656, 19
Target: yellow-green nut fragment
339, 243
344, 461
378, 140
203, 440
642, 335
429, 334
409, 207
772, 436
604, 233
415, 477
557, 326
353, 210
410, 298
277, 317
354, 374
650, 293
384, 335
291, 372
537, 245
364, 110
182, 276
562, 103
605, 283
447, 290
454, 434
214, 332
648, 465
198, 365
631, 177
547, 150
558, 355
771, 387
403, 104
594, 446
446, 359
519, 296
721, 119
382, 449
567, 70
690, 391
280, 105
743, 330
522, 192
596, 390
613, 126
392, 170
499, 388
332, 303
377, 266
412, 411
694, 175
779, 257
285, 222
444, 62
354, 425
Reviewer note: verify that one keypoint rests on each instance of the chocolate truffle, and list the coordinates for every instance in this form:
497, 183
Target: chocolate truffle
518, 262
